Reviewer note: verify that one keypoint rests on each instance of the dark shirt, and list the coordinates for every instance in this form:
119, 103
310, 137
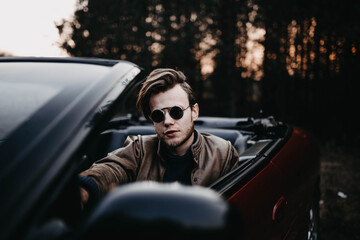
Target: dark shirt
179, 168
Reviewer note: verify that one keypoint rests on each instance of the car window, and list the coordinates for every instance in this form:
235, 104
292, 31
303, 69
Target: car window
19, 101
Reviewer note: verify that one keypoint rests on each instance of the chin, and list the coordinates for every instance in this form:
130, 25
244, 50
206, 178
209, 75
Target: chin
172, 143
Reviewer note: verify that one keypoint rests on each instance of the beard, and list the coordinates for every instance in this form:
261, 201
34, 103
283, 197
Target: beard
175, 143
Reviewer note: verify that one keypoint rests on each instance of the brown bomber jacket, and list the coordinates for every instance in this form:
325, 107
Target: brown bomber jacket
140, 160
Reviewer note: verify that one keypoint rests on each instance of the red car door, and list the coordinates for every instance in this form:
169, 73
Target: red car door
274, 203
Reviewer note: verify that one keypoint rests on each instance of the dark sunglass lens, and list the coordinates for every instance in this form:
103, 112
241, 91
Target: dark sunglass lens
176, 112
157, 116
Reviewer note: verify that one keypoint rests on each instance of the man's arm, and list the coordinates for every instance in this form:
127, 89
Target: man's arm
120, 166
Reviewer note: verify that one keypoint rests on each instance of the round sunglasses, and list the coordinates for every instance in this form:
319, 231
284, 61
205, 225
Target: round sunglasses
176, 112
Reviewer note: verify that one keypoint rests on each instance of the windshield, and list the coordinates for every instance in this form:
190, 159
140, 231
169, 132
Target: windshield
19, 101
25, 88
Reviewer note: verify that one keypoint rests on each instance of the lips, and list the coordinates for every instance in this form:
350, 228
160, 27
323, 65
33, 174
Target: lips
170, 133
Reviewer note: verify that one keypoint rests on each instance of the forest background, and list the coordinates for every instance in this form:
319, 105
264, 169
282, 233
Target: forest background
298, 61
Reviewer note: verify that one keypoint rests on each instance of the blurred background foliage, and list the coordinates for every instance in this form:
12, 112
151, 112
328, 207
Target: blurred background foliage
296, 60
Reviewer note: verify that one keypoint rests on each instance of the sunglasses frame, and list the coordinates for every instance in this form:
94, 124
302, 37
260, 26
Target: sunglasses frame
171, 115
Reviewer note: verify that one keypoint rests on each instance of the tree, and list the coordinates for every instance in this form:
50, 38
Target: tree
306, 76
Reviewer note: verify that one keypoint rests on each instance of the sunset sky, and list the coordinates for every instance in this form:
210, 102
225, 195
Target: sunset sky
27, 28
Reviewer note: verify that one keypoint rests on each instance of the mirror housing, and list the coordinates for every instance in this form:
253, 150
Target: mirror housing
162, 211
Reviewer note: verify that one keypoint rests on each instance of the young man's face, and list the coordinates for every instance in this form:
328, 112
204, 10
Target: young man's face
176, 134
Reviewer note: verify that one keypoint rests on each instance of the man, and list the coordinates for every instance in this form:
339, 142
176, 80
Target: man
177, 153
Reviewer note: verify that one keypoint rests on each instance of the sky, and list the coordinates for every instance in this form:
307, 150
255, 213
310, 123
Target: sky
27, 27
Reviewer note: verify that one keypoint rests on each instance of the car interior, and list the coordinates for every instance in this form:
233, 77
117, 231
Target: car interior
112, 139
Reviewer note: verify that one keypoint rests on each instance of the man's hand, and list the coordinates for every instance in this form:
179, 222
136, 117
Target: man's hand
84, 195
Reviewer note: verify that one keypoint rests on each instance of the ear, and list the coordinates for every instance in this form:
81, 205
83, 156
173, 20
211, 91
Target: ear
195, 111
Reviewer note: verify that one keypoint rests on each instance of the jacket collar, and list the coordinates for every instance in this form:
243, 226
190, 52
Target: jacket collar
196, 146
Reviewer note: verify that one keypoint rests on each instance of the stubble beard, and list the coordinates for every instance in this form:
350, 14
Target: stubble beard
174, 145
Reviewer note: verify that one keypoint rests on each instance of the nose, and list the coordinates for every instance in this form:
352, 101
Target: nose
168, 119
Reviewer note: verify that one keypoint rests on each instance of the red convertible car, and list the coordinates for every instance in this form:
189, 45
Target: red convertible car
59, 115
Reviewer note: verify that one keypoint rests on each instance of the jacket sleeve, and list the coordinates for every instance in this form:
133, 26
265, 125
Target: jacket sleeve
233, 159
118, 167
